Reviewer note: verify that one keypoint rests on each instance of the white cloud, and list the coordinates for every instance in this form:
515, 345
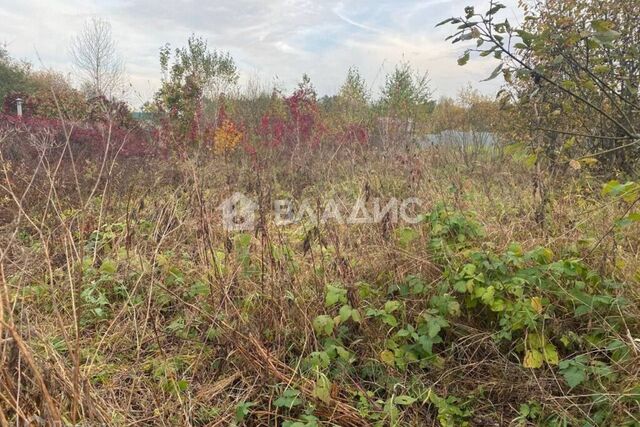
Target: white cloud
282, 38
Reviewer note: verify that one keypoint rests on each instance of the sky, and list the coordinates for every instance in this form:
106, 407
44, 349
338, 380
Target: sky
272, 41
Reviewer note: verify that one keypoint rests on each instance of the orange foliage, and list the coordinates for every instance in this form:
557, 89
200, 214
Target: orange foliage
226, 137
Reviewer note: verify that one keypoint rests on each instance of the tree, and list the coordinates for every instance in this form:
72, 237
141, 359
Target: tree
354, 90
54, 97
14, 76
406, 98
304, 119
573, 68
96, 58
191, 75
406, 92
348, 114
353, 97
573, 71
471, 123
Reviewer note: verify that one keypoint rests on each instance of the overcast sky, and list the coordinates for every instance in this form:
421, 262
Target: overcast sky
274, 41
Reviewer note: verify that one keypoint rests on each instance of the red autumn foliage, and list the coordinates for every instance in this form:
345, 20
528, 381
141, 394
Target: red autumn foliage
90, 139
353, 133
304, 120
301, 125
272, 130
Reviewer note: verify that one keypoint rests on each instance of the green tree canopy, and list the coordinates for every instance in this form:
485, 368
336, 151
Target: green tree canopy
190, 75
14, 75
406, 93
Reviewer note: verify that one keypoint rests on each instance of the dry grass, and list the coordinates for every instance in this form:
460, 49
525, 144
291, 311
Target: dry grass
162, 355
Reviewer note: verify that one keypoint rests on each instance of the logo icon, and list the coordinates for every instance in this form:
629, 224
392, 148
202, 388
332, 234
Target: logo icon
238, 213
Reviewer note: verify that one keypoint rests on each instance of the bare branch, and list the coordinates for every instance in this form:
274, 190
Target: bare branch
96, 58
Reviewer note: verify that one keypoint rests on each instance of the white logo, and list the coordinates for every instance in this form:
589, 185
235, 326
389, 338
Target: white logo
238, 213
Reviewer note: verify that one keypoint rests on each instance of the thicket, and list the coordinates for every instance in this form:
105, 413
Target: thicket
511, 301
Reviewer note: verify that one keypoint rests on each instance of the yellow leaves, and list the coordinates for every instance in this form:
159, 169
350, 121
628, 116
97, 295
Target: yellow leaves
546, 254
602, 26
536, 304
589, 161
387, 357
533, 359
539, 351
569, 143
226, 137
531, 160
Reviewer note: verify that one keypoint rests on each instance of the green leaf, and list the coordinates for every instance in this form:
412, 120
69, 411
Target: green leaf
406, 235
527, 38
611, 187
495, 73
322, 389
108, 266
607, 37
487, 52
446, 21
550, 354
323, 325
464, 59
495, 9
601, 25
435, 325
498, 305
391, 306
468, 271
242, 410
387, 357
619, 350
573, 372
345, 313
289, 399
319, 359
335, 295
427, 342
343, 353
243, 240
181, 385
634, 216
390, 320
404, 400
199, 288
463, 286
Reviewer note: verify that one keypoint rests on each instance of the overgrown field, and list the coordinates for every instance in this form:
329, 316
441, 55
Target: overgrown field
126, 302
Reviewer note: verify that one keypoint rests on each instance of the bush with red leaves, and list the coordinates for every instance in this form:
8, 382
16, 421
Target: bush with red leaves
272, 130
300, 125
89, 139
353, 133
